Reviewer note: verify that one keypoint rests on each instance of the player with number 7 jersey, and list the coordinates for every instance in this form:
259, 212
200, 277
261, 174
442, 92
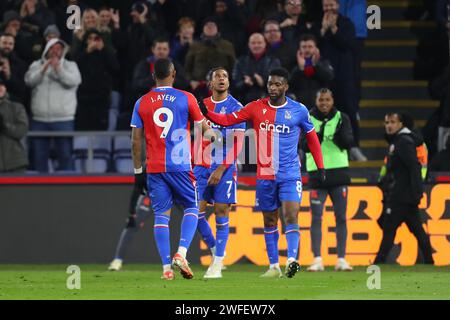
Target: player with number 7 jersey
164, 115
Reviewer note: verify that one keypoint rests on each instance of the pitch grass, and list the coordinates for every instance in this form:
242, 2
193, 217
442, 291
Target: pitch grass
242, 282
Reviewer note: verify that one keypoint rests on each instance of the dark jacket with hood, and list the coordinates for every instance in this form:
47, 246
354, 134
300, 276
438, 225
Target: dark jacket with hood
343, 138
13, 127
402, 185
97, 69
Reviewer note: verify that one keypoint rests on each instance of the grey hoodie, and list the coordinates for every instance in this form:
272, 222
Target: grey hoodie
54, 94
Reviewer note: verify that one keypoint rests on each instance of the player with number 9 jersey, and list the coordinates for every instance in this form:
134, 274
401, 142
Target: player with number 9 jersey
163, 115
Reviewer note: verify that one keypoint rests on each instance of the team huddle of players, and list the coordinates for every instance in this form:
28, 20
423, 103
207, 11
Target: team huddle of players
163, 117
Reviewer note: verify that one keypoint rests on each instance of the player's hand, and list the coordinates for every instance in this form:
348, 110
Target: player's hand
203, 108
300, 60
215, 177
316, 57
322, 176
140, 180
259, 80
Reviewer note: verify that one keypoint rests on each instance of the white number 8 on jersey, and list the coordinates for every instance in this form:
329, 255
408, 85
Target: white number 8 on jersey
163, 124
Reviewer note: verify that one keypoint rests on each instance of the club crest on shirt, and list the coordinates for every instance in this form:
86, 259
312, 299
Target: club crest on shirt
264, 111
223, 110
287, 115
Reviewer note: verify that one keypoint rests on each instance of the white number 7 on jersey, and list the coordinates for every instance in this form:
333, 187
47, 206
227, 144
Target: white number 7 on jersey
163, 124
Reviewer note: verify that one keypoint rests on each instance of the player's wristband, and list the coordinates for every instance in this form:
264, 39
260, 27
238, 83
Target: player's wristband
138, 171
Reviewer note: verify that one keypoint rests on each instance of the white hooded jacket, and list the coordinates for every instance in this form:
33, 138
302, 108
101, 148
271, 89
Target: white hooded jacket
54, 94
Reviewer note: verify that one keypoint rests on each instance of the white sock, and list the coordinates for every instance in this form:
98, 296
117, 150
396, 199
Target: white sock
275, 266
318, 259
182, 251
289, 260
341, 259
167, 267
213, 250
218, 259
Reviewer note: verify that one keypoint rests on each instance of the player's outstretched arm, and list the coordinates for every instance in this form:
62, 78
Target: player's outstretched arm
224, 120
314, 146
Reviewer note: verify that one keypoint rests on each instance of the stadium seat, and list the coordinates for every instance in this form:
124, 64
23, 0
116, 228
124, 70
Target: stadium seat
122, 154
101, 154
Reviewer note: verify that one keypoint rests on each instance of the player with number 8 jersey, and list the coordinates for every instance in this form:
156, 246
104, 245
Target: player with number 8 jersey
164, 116
278, 122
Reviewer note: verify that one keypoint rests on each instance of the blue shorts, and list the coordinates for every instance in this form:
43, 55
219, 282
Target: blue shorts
169, 187
270, 193
223, 192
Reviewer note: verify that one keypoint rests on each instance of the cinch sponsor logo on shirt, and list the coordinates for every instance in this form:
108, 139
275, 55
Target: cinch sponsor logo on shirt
165, 97
278, 128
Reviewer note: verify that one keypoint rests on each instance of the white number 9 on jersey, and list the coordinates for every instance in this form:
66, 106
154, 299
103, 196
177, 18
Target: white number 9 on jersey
163, 124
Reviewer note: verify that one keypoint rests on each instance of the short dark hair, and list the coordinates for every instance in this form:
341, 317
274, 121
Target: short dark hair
211, 71
160, 40
323, 91
270, 21
280, 72
162, 68
402, 118
308, 37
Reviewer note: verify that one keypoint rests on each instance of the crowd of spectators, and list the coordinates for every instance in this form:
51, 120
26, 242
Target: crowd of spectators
89, 78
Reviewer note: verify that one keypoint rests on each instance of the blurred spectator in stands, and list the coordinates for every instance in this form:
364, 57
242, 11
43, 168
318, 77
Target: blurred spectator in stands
171, 11
13, 128
35, 14
143, 80
441, 161
260, 11
109, 27
51, 32
251, 71
231, 23
338, 43
311, 72
440, 90
98, 66
54, 82
292, 23
89, 20
211, 51
276, 46
183, 40
141, 33
12, 68
28, 42
355, 10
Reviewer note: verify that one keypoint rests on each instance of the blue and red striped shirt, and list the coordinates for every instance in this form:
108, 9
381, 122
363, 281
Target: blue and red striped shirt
165, 114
